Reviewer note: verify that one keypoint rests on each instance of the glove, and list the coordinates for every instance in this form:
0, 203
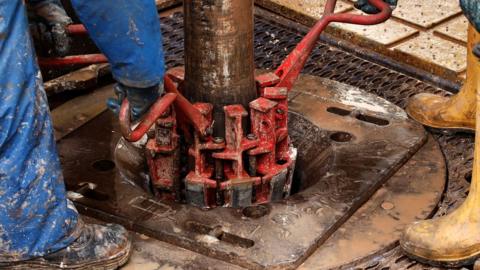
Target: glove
140, 99
365, 6
49, 27
471, 8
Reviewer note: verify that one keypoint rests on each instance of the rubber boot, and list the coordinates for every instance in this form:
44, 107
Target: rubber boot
456, 113
452, 240
98, 248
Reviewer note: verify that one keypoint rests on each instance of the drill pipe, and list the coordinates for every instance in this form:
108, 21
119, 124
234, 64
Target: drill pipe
219, 63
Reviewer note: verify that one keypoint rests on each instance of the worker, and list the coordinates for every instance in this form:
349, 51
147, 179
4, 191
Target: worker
39, 227
452, 240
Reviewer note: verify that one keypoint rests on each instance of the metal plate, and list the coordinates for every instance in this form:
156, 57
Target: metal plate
378, 224
343, 160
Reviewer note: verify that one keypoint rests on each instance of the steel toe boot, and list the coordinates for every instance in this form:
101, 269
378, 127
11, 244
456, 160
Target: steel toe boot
451, 113
452, 240
98, 248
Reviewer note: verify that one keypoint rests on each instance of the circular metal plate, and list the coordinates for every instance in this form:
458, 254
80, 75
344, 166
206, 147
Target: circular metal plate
352, 145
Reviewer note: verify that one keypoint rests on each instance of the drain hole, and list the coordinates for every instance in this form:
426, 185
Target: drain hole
372, 119
236, 240
468, 177
255, 212
103, 165
338, 111
341, 137
221, 235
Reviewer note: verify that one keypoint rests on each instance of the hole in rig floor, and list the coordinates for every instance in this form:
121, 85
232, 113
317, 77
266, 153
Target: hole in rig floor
209, 234
315, 157
373, 120
338, 111
315, 152
468, 176
103, 165
341, 136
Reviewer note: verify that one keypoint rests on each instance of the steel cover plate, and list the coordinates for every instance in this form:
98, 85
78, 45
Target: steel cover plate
350, 141
412, 194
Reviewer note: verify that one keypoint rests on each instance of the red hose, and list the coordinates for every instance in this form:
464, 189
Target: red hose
294, 63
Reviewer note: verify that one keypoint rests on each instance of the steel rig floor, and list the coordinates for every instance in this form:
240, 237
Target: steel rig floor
361, 229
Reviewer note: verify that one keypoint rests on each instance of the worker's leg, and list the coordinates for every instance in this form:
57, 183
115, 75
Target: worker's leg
35, 217
456, 112
452, 240
128, 33
36, 220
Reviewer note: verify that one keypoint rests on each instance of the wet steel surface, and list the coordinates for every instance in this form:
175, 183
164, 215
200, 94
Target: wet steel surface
151, 254
273, 42
377, 225
74, 113
350, 143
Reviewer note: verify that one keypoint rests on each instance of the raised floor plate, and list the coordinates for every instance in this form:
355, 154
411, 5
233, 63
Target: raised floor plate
350, 143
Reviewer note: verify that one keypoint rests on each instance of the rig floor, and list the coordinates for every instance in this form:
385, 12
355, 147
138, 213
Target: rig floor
361, 229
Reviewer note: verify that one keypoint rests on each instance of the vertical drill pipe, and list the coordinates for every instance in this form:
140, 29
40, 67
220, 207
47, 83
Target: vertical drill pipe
219, 63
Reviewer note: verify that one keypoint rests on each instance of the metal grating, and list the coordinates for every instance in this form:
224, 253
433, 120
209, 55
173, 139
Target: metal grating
274, 41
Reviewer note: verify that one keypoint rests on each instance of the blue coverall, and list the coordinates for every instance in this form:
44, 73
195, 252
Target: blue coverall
35, 216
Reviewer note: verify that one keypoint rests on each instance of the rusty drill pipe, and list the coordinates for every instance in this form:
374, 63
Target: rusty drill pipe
219, 63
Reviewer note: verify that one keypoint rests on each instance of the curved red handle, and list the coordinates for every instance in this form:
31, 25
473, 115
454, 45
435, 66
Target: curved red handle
294, 63
199, 122
157, 109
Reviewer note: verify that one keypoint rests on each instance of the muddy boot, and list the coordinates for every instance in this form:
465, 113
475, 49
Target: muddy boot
455, 113
452, 240
98, 247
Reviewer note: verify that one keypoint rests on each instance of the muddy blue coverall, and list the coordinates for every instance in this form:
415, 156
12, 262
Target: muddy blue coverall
35, 216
